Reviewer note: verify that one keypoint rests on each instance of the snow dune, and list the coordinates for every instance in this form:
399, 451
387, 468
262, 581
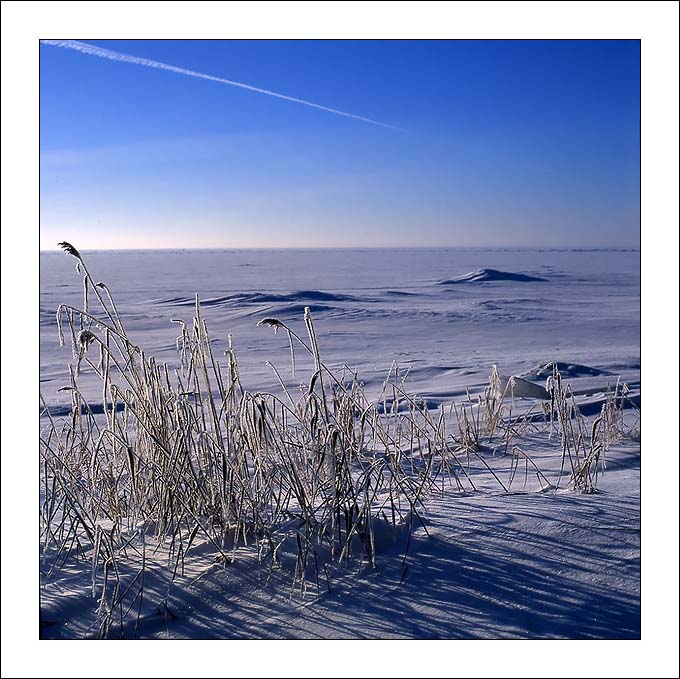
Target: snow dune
570, 370
256, 298
491, 276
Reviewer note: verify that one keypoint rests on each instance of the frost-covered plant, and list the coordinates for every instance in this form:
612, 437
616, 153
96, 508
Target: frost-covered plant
187, 455
585, 448
620, 414
174, 457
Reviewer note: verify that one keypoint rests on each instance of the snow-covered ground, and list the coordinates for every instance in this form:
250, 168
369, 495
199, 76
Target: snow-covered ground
371, 307
520, 561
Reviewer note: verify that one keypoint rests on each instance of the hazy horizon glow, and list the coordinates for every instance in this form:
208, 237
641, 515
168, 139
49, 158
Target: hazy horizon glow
516, 143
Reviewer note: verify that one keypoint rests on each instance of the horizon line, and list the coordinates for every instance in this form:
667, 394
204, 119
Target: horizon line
356, 247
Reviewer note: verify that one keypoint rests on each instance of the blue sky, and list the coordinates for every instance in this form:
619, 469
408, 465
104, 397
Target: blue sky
506, 143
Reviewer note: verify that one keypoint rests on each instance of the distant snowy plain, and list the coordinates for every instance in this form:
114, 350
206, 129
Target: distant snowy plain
371, 307
524, 564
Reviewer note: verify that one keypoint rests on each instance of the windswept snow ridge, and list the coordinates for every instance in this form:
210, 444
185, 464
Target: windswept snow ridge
491, 276
568, 370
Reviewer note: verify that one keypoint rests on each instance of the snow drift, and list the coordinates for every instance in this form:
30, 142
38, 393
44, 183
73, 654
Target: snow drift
491, 276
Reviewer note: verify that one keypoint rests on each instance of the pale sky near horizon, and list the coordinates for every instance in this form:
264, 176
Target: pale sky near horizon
503, 143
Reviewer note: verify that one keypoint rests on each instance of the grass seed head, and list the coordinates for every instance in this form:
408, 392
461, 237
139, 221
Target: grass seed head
70, 249
271, 322
85, 338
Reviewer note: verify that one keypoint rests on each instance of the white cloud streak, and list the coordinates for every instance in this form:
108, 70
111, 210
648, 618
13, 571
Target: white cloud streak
103, 53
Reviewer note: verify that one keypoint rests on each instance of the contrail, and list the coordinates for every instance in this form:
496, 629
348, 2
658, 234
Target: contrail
85, 48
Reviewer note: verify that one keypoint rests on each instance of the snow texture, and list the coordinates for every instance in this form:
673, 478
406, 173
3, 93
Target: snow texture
529, 563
